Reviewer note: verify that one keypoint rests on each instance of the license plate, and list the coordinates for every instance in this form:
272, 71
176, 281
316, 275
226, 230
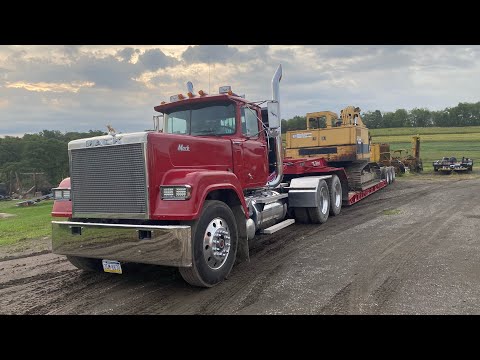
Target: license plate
111, 266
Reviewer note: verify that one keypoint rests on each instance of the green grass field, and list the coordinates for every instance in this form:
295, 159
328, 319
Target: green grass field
435, 143
29, 222
425, 131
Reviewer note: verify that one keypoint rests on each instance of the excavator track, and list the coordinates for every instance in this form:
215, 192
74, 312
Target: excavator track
361, 175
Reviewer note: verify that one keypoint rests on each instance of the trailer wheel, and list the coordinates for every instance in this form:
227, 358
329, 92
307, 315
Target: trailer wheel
319, 214
383, 173
301, 215
214, 245
335, 190
86, 264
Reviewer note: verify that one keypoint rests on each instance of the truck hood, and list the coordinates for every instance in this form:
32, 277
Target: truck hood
108, 140
173, 152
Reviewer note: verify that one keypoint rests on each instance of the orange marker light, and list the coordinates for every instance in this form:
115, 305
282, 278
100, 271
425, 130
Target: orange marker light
190, 95
230, 92
181, 97
163, 102
201, 93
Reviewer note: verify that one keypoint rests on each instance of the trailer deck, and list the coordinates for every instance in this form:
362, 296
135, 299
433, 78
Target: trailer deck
319, 166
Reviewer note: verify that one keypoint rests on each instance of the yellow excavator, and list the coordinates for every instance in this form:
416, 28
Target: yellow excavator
342, 141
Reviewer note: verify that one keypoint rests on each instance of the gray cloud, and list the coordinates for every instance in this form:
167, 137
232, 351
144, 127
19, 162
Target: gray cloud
222, 54
209, 54
71, 50
155, 59
127, 53
107, 71
315, 78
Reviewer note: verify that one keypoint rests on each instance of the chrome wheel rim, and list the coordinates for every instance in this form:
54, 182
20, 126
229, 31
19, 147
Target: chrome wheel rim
216, 243
324, 200
338, 192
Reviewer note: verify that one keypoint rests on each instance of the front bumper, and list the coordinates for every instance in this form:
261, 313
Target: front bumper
162, 245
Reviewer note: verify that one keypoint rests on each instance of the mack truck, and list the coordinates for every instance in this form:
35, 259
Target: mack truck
193, 192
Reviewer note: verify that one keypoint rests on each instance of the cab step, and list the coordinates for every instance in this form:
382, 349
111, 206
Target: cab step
279, 226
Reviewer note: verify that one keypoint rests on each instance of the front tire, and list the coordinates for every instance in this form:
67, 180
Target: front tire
86, 264
214, 245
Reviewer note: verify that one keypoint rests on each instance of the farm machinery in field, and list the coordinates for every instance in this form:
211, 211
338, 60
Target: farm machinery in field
449, 164
382, 154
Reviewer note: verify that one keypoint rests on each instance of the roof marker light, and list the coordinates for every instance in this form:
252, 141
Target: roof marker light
202, 93
224, 89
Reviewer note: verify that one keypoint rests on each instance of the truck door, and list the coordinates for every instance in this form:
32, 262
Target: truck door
251, 151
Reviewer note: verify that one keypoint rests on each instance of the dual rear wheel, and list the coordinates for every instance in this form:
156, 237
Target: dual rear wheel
329, 202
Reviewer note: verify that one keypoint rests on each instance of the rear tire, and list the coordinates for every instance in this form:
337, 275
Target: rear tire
392, 173
301, 215
335, 190
86, 264
213, 233
319, 214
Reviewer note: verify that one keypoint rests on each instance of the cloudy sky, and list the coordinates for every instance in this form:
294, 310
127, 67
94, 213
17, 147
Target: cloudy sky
78, 88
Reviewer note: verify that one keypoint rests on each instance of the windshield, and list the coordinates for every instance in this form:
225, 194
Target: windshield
207, 119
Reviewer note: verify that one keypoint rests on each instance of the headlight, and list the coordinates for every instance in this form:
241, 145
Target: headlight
57, 194
183, 192
61, 194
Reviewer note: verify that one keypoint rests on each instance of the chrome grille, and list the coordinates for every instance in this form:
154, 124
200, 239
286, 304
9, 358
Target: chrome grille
109, 181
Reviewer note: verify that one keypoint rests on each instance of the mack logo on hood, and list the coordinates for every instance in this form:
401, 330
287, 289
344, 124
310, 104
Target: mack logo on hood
103, 142
182, 147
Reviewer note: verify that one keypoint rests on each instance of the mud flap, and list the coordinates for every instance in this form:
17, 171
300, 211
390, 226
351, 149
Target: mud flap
243, 253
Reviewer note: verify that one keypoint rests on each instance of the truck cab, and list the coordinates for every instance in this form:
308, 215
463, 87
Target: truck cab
214, 127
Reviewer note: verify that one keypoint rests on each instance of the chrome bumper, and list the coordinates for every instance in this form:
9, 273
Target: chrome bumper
161, 245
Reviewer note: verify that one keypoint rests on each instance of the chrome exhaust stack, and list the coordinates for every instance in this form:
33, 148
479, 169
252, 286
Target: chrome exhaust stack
276, 130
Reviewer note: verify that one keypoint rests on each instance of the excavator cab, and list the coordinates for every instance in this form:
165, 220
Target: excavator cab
338, 139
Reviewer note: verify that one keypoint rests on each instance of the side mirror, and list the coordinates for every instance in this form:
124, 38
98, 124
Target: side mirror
158, 123
273, 108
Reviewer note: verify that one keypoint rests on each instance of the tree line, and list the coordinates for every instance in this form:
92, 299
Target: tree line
464, 114
46, 152
43, 154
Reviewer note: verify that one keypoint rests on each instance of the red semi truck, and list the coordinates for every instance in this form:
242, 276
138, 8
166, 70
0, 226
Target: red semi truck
193, 192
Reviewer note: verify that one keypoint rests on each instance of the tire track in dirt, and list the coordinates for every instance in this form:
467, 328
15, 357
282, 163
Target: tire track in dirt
64, 290
363, 295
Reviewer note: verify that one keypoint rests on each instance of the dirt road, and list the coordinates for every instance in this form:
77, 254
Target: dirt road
412, 248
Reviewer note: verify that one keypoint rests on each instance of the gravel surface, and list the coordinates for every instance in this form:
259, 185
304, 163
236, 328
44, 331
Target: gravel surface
412, 248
